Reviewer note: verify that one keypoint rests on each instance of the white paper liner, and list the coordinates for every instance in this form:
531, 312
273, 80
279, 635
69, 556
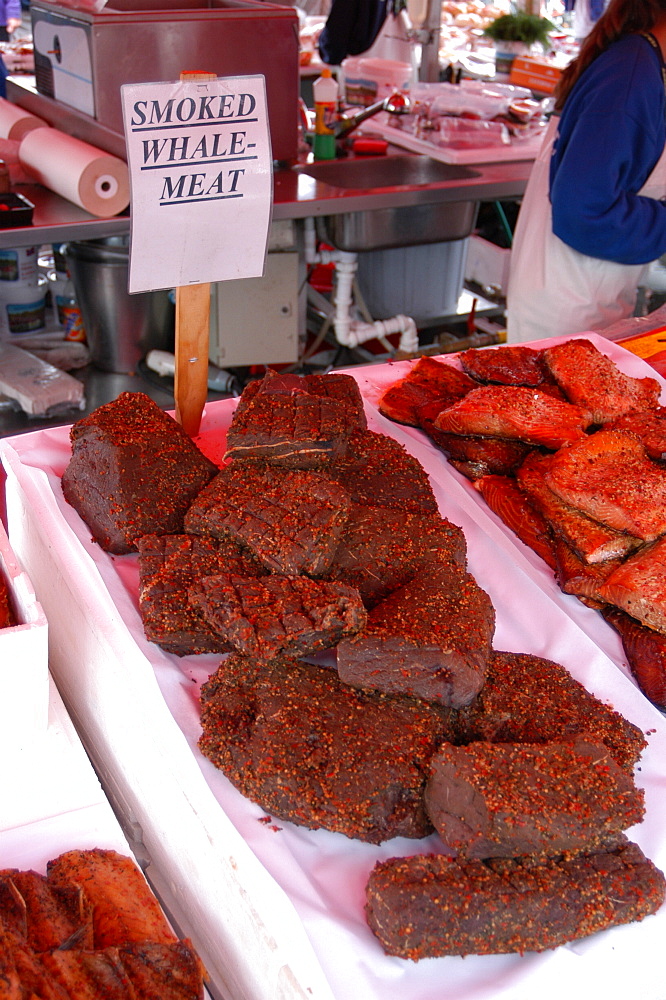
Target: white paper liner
323, 874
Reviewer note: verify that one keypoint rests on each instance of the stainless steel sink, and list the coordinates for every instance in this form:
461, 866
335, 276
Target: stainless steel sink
383, 228
386, 171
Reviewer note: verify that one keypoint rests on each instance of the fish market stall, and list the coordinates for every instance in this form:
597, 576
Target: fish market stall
273, 907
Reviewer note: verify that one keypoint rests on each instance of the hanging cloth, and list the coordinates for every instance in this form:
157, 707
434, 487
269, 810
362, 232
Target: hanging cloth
351, 28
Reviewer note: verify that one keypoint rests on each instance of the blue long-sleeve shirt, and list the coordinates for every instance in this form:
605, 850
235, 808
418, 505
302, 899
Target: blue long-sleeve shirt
611, 133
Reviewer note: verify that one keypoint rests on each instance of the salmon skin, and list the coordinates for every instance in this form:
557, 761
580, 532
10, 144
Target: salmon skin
516, 412
512, 505
593, 381
609, 477
645, 650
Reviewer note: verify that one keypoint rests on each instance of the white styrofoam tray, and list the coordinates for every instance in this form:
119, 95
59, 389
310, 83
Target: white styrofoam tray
23, 656
276, 909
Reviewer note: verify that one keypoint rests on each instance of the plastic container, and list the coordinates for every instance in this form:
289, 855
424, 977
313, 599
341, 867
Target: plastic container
424, 282
22, 309
120, 328
19, 265
325, 91
369, 80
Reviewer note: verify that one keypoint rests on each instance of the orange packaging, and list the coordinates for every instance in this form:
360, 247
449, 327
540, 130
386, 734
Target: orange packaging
538, 75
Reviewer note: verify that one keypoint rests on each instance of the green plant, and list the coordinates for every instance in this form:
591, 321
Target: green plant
521, 27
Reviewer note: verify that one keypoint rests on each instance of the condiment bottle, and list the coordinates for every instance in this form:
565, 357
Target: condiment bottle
325, 90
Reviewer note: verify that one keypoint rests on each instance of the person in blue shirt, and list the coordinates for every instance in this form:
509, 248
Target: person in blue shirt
593, 218
10, 18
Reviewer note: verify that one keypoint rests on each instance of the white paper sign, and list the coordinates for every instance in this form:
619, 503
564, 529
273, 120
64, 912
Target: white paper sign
200, 164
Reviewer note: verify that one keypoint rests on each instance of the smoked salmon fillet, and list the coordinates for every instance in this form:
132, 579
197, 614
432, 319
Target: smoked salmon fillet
649, 426
593, 381
645, 650
638, 586
515, 412
506, 499
609, 477
428, 380
124, 908
593, 542
512, 365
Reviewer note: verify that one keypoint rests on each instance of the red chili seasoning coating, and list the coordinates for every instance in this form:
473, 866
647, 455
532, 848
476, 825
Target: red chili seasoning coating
276, 614
308, 748
529, 699
503, 800
291, 519
133, 471
427, 906
168, 566
430, 638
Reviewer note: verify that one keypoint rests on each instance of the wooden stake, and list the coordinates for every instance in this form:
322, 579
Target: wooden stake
192, 340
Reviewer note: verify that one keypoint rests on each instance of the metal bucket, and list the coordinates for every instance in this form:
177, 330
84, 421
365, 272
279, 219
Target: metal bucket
120, 328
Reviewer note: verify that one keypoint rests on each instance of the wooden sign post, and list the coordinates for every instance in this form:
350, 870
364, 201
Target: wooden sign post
202, 195
192, 341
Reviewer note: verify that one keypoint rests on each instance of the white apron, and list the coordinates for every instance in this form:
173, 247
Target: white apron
553, 289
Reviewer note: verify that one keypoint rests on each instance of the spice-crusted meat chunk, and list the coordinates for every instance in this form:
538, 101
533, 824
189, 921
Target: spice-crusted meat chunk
381, 548
529, 699
516, 412
428, 380
502, 800
168, 566
276, 614
430, 638
380, 472
512, 365
291, 519
296, 421
593, 381
428, 906
308, 748
133, 471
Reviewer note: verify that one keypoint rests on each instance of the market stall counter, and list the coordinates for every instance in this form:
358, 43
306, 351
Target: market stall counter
276, 909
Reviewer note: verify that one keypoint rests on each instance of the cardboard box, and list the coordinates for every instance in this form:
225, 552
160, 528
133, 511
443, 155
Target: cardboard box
24, 673
488, 265
537, 74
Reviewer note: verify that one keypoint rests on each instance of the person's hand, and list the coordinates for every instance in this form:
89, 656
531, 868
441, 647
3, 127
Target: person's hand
12, 24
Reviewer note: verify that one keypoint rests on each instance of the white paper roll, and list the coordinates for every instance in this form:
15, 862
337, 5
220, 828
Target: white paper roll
91, 178
15, 122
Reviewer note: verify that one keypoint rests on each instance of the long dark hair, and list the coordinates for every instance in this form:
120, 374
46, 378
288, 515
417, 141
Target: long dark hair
621, 17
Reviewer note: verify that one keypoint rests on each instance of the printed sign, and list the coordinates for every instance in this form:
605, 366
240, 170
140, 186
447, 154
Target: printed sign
201, 178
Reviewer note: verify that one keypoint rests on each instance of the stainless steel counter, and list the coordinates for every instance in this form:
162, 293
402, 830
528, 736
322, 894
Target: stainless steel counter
296, 194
